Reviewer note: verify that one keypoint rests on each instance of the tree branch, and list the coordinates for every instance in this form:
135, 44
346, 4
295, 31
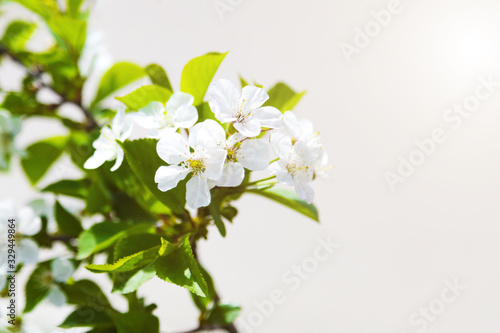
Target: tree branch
36, 75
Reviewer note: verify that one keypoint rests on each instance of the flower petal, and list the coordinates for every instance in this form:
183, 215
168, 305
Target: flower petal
282, 144
152, 116
197, 192
269, 117
185, 117
56, 296
208, 134
222, 96
173, 148
179, 100
122, 125
304, 190
28, 251
167, 177
279, 170
62, 269
99, 158
119, 159
253, 97
297, 128
250, 128
254, 154
29, 223
232, 175
214, 163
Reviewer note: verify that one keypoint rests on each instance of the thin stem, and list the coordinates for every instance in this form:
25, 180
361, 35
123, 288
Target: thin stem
257, 182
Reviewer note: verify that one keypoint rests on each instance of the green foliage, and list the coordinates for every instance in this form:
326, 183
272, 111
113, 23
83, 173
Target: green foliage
130, 321
69, 187
67, 223
142, 96
41, 155
143, 232
144, 161
282, 97
45, 8
73, 7
126, 264
198, 73
69, 32
118, 76
289, 199
103, 235
223, 314
86, 316
177, 265
158, 76
38, 285
17, 34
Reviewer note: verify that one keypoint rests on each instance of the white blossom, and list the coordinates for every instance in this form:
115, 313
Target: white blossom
179, 112
62, 269
241, 153
301, 155
27, 223
196, 156
245, 110
107, 149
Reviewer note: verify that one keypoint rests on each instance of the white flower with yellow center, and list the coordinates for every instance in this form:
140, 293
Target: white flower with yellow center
179, 112
244, 111
301, 155
198, 156
107, 149
241, 153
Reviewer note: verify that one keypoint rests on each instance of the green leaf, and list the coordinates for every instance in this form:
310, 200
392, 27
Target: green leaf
67, 223
41, 155
144, 161
98, 198
72, 188
135, 243
86, 293
204, 113
85, 316
127, 264
243, 82
282, 97
126, 180
198, 73
290, 199
214, 208
102, 235
144, 95
99, 237
44, 8
223, 314
117, 77
73, 7
177, 265
128, 282
203, 302
38, 285
130, 322
17, 34
70, 32
158, 76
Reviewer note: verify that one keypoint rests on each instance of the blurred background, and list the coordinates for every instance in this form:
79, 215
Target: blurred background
379, 76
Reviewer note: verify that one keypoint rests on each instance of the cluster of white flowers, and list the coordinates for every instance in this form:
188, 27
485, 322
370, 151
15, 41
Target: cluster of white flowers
28, 223
210, 153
